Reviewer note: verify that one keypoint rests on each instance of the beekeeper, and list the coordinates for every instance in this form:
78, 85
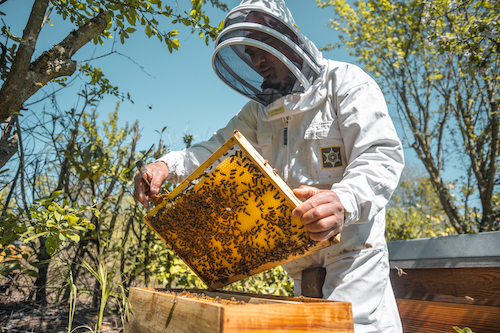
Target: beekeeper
324, 126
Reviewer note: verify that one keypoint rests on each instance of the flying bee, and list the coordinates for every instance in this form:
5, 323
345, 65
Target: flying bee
401, 272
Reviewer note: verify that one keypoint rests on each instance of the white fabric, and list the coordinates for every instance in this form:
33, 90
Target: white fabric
339, 137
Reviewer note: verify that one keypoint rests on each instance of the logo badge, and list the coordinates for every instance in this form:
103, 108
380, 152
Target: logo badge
276, 111
331, 157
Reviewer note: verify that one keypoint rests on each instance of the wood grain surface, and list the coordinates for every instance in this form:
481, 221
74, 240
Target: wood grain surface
473, 286
164, 311
434, 317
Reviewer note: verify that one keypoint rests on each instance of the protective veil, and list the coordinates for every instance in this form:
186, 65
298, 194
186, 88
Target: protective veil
324, 124
269, 27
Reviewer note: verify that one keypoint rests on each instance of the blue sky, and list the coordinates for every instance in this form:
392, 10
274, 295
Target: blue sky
179, 90
181, 87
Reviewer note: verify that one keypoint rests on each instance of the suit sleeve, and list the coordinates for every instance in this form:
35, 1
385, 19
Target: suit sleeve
182, 163
373, 149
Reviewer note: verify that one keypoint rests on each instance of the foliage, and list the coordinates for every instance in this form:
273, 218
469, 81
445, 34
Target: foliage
438, 60
57, 223
94, 20
88, 172
108, 285
124, 16
415, 210
272, 282
464, 330
66, 196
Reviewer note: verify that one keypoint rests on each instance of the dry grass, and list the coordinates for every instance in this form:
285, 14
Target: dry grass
20, 315
30, 317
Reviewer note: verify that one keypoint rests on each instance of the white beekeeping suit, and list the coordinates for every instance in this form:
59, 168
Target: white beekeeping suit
327, 127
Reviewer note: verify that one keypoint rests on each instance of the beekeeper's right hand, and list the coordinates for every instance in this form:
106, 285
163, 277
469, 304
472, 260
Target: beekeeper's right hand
156, 175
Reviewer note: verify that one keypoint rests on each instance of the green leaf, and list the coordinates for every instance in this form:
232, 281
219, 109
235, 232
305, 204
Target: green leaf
130, 30
79, 227
35, 236
96, 212
130, 15
30, 272
51, 224
72, 218
74, 237
19, 229
55, 194
51, 245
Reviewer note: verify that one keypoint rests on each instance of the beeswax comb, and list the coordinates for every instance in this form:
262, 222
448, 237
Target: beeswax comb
232, 217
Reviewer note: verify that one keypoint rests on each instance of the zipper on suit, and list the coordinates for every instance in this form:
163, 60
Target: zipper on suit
286, 143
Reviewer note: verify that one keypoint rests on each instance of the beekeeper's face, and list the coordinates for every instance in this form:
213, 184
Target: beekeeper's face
272, 69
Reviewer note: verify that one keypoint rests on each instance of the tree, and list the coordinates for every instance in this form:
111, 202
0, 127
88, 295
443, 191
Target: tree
438, 59
94, 20
415, 210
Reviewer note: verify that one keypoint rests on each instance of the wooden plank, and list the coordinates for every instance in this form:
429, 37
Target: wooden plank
298, 317
178, 311
475, 286
153, 312
434, 317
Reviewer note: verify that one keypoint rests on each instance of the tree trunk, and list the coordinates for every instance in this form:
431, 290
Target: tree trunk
43, 270
8, 142
25, 78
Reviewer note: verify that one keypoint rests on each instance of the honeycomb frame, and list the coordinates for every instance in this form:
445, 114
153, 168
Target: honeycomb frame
231, 218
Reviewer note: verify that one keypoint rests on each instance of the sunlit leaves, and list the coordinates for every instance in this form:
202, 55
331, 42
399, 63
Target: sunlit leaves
55, 220
438, 61
469, 29
124, 16
415, 210
98, 83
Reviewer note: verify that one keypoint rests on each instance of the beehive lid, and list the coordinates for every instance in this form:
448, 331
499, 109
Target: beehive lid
232, 217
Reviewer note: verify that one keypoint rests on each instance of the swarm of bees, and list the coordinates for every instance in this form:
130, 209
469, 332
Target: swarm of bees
231, 222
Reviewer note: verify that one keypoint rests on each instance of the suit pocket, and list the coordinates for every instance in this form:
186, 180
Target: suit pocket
326, 160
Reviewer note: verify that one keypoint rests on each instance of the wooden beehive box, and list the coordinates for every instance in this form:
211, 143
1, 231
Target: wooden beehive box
232, 217
449, 281
201, 311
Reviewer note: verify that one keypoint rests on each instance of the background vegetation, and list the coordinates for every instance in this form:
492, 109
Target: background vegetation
69, 226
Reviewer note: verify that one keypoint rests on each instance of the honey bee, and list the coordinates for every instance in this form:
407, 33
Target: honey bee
401, 272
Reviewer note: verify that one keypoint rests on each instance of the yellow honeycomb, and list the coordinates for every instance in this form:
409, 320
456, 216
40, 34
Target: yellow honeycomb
231, 222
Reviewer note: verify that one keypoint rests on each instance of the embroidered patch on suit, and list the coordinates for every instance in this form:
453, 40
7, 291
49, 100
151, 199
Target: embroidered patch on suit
331, 157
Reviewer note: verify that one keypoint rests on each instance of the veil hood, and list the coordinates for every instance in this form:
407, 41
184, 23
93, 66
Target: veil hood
268, 25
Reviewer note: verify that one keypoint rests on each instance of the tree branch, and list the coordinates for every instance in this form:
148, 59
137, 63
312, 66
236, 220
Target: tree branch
14, 83
8, 143
25, 79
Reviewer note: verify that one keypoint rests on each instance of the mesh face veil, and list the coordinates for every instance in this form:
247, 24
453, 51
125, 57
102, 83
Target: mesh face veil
261, 56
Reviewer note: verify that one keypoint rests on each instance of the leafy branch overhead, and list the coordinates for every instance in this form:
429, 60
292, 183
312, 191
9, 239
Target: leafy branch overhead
94, 21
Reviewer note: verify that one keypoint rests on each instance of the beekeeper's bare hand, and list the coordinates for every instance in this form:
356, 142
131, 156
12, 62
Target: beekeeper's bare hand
157, 174
322, 213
